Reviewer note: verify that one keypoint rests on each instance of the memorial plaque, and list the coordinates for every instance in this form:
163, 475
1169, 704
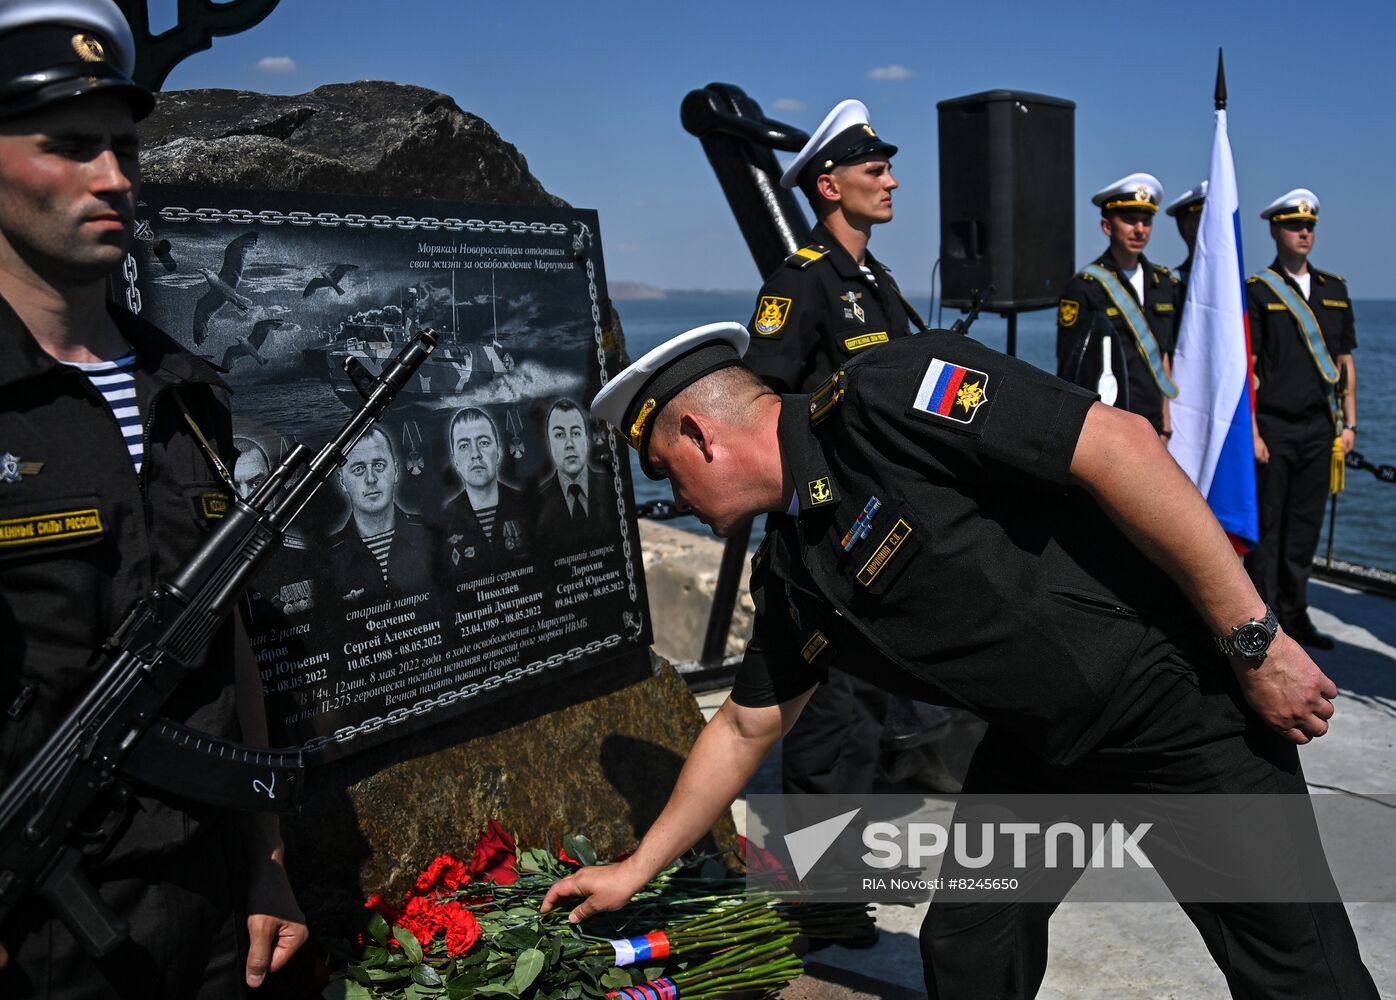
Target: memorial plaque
481, 540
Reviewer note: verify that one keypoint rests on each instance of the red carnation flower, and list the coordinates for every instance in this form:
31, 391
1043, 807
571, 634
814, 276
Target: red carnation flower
383, 908
446, 871
494, 858
568, 858
758, 859
462, 929
423, 917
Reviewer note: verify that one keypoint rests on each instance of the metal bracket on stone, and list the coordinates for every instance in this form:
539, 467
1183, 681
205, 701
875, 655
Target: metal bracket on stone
197, 23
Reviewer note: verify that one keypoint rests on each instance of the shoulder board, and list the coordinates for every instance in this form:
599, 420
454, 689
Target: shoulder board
826, 399
805, 256
1327, 274
1084, 276
1253, 279
1161, 267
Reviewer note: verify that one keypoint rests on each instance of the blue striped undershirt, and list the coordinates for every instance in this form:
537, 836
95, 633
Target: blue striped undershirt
115, 381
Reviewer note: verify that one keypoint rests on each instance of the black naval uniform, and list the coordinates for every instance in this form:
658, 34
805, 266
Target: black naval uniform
813, 314
1078, 344
818, 310
1295, 413
468, 552
1183, 272
174, 870
990, 582
355, 574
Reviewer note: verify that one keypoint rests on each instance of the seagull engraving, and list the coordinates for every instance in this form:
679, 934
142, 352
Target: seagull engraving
222, 286
251, 345
329, 279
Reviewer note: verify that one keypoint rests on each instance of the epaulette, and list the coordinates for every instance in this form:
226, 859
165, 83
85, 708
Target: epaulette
1326, 274
826, 399
1253, 279
1162, 267
805, 256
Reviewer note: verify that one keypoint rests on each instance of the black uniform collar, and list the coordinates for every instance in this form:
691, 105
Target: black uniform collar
815, 488
157, 355
1314, 278
843, 261
1107, 260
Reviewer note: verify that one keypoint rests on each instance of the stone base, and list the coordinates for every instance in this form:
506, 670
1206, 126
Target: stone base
555, 761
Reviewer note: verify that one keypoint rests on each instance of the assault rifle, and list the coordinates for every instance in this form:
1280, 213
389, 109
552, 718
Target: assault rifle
73, 790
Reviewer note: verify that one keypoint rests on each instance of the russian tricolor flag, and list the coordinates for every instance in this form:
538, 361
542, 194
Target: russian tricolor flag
1212, 438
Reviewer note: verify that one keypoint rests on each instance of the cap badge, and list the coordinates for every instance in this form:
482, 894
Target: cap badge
1305, 206
1142, 193
89, 48
869, 129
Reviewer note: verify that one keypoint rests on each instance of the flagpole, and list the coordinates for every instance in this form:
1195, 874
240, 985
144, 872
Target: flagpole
1219, 94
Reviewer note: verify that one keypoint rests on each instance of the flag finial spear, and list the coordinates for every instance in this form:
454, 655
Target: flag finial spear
1220, 93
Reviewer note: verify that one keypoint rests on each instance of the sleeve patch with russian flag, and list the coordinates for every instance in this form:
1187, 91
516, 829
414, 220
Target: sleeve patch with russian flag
952, 391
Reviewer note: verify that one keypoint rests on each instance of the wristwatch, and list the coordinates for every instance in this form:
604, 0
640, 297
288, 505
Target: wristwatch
1251, 640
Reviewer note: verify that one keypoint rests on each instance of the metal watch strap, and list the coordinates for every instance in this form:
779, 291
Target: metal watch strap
1227, 643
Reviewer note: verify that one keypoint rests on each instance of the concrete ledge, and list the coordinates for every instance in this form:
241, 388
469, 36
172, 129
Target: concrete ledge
681, 570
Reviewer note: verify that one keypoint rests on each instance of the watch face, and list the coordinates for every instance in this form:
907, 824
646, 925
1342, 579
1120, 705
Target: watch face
1252, 639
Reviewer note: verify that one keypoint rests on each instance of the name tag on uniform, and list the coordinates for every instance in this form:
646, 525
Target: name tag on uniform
887, 550
865, 340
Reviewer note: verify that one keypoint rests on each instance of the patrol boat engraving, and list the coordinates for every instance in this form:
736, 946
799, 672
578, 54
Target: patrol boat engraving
462, 361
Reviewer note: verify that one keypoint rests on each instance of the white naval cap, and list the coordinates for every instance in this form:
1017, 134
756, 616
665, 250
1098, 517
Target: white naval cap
1301, 203
842, 137
1137, 191
1189, 202
54, 50
630, 401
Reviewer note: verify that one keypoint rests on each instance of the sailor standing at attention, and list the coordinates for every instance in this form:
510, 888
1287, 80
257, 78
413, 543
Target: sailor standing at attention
1186, 210
828, 302
105, 417
832, 299
1117, 319
1302, 337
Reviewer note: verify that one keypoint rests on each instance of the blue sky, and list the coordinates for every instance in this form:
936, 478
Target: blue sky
590, 92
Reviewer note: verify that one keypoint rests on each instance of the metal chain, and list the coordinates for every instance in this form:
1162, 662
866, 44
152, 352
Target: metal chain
133, 294
632, 589
470, 690
356, 220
